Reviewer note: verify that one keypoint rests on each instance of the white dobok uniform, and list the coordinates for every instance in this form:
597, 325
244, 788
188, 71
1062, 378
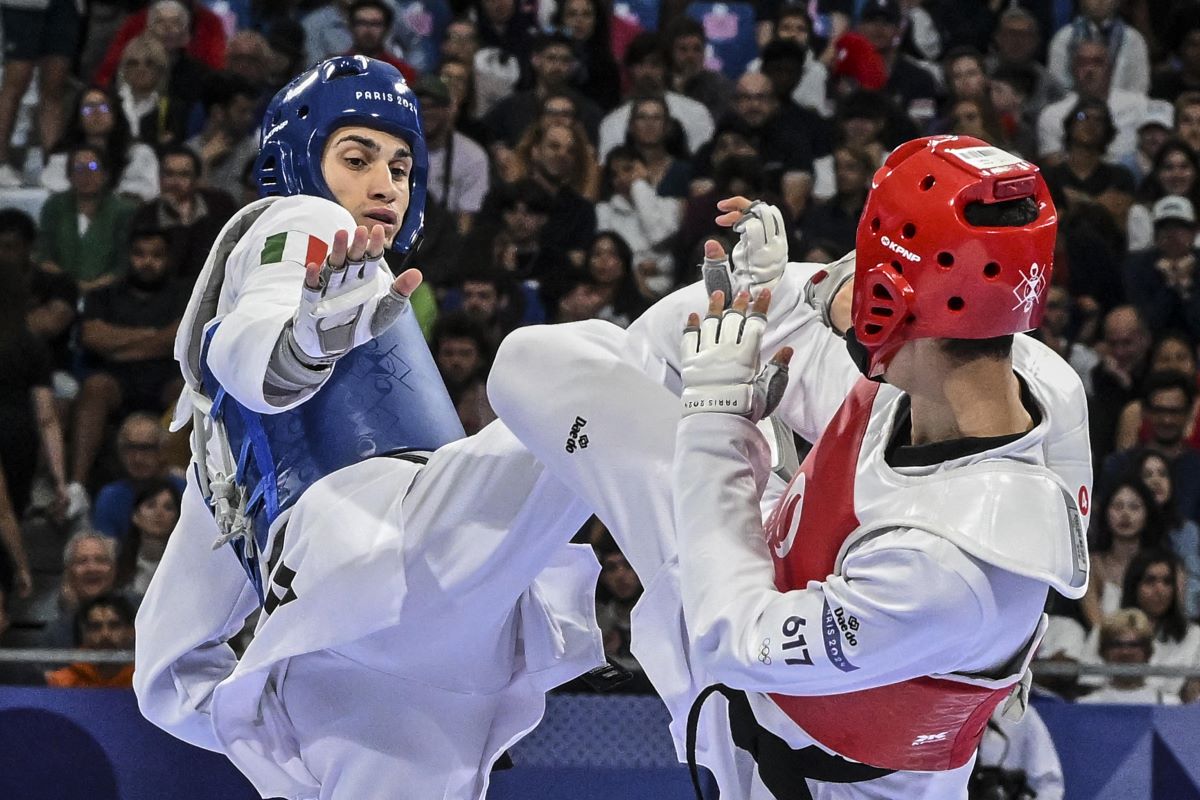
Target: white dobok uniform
946, 574
431, 607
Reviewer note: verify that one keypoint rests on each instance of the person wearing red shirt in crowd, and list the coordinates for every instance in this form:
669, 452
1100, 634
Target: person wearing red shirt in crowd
370, 21
205, 36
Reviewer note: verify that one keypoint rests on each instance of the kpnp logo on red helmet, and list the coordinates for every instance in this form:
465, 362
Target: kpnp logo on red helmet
956, 241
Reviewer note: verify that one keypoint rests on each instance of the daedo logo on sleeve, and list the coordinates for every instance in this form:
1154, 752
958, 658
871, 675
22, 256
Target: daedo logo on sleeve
301, 248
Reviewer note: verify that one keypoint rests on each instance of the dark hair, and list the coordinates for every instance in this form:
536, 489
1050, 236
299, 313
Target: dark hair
679, 28
620, 152
1151, 188
1004, 214
601, 32
783, 50
527, 192
1169, 510
1019, 76
1088, 104
456, 325
547, 39
963, 350
132, 543
140, 232
1165, 380
118, 603
674, 140
389, 16
794, 10
962, 51
1153, 532
221, 88
627, 300
1173, 624
116, 145
643, 46
179, 149
862, 103
14, 220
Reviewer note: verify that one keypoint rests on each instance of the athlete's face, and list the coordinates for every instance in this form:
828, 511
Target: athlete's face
368, 173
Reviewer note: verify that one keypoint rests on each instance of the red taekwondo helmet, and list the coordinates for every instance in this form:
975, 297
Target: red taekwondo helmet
946, 248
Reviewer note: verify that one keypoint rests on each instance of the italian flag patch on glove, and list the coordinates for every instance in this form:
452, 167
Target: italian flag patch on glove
293, 246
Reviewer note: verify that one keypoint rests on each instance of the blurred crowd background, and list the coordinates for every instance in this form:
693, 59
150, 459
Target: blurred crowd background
577, 151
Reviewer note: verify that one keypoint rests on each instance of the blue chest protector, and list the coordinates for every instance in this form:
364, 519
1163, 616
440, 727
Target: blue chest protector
384, 397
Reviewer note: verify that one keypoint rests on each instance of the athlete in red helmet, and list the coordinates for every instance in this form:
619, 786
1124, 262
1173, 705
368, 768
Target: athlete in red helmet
861, 636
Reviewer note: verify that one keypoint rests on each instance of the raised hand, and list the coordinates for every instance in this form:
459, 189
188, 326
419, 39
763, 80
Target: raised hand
721, 359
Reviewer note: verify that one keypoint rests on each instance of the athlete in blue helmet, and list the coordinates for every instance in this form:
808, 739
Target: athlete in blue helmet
415, 590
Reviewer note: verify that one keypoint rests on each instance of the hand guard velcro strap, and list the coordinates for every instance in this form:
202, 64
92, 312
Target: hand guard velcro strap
823, 287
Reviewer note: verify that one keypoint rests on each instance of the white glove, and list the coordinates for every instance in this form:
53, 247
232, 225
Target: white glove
346, 310
761, 253
721, 366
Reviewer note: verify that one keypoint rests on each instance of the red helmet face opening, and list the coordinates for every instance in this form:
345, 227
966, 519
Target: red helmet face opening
926, 270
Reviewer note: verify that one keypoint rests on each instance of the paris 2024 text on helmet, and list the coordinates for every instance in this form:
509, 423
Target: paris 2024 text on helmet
341, 91
956, 241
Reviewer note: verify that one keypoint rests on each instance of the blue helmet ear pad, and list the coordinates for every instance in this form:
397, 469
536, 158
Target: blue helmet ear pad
337, 93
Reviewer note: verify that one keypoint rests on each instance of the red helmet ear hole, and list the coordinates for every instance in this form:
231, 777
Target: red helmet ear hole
896, 265
881, 311
880, 292
927, 183
909, 230
875, 225
991, 270
956, 304
945, 259
871, 329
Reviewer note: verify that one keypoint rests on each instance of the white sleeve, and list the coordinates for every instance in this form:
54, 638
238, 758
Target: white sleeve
198, 599
1050, 130
262, 293
1036, 754
54, 174
907, 603
821, 372
140, 177
1135, 71
1058, 59
659, 216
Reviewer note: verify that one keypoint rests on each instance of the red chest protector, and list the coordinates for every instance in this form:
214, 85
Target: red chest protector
920, 724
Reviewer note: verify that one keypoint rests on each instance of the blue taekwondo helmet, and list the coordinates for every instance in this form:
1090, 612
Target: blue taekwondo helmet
340, 91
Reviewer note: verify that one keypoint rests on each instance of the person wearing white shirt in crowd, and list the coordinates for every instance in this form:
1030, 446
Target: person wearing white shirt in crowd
795, 25
642, 218
1127, 637
1098, 21
648, 76
458, 165
1023, 746
1093, 78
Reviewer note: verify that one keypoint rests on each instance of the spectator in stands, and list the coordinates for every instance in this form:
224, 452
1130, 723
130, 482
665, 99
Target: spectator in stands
684, 43
27, 407
1181, 71
1152, 586
230, 133
1155, 471
1015, 43
1083, 176
1163, 282
732, 137
458, 166
558, 159
1127, 637
1174, 170
140, 442
89, 571
371, 21
1187, 119
1152, 133
459, 77
793, 24
463, 358
837, 219
1023, 750
1091, 67
1127, 522
966, 77
506, 33
43, 36
647, 69
1056, 333
862, 120
85, 229
127, 333
657, 138
48, 298
909, 85
617, 593
249, 55
155, 514
99, 123
155, 117
1115, 380
1009, 90
103, 623
185, 29
975, 118
611, 266
643, 218
1172, 352
491, 303
571, 296
734, 174
552, 61
189, 215
522, 246
1098, 21
327, 30
587, 23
